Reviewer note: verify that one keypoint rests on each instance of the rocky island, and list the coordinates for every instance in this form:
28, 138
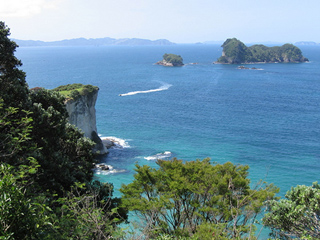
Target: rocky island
236, 52
171, 60
80, 104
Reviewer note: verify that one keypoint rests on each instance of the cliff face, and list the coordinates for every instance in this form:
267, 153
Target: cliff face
82, 113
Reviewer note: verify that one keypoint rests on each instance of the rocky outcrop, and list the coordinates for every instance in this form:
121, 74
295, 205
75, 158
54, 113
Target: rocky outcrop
171, 60
164, 63
236, 52
82, 114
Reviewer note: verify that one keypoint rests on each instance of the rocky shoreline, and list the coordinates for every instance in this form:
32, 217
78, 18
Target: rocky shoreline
253, 68
171, 60
167, 64
110, 142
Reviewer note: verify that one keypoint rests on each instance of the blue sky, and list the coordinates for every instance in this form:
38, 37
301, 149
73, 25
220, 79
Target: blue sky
180, 21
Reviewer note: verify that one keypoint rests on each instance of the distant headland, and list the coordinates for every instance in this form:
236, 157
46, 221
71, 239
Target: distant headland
94, 42
236, 52
171, 60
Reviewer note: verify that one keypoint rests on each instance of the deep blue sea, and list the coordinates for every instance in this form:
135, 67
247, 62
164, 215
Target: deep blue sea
268, 119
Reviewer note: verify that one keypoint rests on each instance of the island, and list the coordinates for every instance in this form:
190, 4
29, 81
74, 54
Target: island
236, 52
171, 60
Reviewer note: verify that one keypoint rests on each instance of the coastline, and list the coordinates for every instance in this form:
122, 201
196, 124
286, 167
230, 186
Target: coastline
168, 64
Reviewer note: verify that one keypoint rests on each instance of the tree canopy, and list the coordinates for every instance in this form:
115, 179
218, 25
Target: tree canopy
296, 216
178, 198
75, 90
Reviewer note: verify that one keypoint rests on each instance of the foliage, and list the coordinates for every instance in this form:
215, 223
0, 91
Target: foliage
43, 132
75, 90
234, 51
297, 216
15, 121
84, 215
212, 231
178, 197
13, 89
20, 216
170, 237
176, 60
15, 128
41, 157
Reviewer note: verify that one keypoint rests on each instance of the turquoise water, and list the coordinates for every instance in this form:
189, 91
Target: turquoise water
268, 119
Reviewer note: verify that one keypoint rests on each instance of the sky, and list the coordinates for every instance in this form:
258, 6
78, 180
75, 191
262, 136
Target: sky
179, 21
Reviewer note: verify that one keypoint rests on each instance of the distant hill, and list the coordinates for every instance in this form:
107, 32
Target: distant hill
306, 43
93, 42
235, 52
267, 43
213, 42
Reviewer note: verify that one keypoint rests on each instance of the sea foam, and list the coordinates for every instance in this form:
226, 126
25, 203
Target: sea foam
118, 142
111, 171
157, 156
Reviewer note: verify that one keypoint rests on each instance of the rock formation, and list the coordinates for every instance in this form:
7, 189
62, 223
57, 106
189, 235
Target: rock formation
171, 60
82, 114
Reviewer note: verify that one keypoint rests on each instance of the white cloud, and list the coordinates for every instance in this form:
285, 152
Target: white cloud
25, 8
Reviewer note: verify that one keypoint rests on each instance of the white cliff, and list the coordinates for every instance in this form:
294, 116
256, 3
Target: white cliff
82, 114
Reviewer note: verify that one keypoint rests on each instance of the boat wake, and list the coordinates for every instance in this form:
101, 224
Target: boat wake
165, 86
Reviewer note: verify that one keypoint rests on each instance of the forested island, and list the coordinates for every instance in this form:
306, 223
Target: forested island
236, 52
171, 60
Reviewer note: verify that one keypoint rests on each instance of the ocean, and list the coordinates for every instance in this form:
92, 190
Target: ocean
267, 118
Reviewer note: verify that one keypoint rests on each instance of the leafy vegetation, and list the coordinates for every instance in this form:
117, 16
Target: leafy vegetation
175, 60
183, 199
75, 90
234, 51
43, 159
297, 216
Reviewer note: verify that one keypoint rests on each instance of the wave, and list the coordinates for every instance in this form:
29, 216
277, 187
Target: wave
158, 156
105, 169
113, 171
165, 86
117, 143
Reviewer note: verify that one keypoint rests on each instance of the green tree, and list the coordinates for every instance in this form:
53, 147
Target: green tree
179, 197
15, 120
83, 214
65, 154
15, 129
297, 216
21, 217
13, 89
